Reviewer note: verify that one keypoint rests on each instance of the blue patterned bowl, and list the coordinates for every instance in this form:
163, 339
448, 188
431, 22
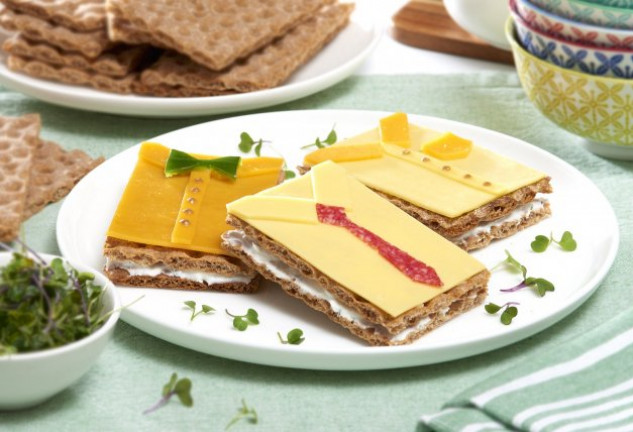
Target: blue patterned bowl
609, 62
588, 12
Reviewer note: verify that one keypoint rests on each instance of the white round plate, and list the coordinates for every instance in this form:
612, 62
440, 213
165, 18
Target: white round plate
338, 60
88, 209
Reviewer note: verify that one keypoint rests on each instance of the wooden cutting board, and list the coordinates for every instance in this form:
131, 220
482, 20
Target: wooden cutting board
426, 24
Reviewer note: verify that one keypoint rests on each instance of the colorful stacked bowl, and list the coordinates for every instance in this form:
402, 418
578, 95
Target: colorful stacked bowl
578, 74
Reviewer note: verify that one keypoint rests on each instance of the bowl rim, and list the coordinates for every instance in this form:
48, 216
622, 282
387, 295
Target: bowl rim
616, 9
587, 46
578, 24
106, 327
509, 31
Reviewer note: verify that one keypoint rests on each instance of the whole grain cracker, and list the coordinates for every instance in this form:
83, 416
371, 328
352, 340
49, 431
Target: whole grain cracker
72, 76
91, 44
117, 250
214, 33
266, 68
81, 15
54, 172
18, 137
384, 327
117, 62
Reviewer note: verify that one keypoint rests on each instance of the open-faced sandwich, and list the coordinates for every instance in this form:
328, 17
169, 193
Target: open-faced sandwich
332, 242
461, 190
166, 230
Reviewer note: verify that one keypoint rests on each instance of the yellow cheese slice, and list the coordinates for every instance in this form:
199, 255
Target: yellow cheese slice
448, 146
352, 263
394, 129
344, 153
402, 173
323, 176
289, 209
447, 170
149, 207
188, 218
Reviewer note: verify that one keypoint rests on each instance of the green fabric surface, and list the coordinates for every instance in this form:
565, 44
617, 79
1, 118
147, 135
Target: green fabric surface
129, 376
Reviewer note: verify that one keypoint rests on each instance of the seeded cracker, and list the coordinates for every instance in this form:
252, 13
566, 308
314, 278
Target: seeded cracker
267, 68
80, 15
70, 75
213, 33
117, 62
54, 172
91, 44
18, 138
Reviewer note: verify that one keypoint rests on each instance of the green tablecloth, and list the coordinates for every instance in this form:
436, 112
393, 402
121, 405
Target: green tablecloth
129, 375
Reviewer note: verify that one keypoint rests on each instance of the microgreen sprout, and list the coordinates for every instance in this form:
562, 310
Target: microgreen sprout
319, 143
294, 337
566, 242
46, 305
542, 286
244, 412
179, 387
204, 309
509, 311
247, 143
241, 322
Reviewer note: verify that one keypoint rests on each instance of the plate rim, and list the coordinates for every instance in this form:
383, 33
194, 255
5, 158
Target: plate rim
317, 359
163, 107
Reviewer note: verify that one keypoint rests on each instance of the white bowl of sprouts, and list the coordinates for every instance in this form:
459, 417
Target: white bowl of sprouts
56, 318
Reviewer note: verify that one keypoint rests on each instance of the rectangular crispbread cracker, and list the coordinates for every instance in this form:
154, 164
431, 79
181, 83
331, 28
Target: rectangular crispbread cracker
211, 32
266, 68
117, 62
18, 138
90, 44
379, 327
80, 15
463, 230
54, 171
72, 76
121, 251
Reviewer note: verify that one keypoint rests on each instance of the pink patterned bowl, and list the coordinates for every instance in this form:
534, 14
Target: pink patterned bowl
570, 30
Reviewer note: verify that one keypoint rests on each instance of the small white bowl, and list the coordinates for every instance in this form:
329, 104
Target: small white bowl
28, 379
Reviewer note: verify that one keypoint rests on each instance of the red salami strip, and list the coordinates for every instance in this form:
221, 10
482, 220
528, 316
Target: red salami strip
413, 268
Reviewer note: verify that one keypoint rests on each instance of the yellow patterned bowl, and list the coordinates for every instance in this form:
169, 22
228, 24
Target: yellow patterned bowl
598, 109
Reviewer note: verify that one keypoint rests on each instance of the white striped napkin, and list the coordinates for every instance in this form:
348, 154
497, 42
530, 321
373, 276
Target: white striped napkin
584, 385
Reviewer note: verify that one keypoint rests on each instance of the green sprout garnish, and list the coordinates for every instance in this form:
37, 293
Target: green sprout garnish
319, 143
247, 143
180, 162
241, 322
204, 309
46, 305
509, 311
175, 386
542, 286
566, 242
244, 412
294, 337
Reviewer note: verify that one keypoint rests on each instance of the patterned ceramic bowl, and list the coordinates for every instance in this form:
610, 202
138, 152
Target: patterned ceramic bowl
627, 4
567, 29
612, 62
589, 12
599, 109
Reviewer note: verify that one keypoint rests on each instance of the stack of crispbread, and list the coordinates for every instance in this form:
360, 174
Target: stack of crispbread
67, 41
209, 47
33, 172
